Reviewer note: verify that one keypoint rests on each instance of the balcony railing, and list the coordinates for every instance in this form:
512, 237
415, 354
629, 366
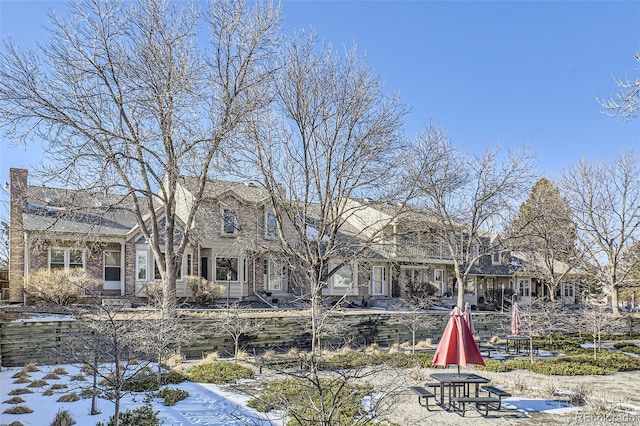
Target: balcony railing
415, 251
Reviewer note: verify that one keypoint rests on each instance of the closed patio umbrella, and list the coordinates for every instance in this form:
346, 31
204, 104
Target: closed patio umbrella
468, 319
457, 346
516, 326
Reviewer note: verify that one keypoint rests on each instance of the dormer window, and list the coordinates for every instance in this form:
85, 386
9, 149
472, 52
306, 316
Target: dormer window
229, 222
270, 225
496, 257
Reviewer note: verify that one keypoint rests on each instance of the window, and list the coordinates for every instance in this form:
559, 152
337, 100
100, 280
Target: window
141, 265
276, 272
441, 284
189, 264
112, 266
270, 225
226, 269
56, 259
229, 222
378, 278
66, 259
523, 288
470, 286
496, 258
343, 277
568, 290
76, 259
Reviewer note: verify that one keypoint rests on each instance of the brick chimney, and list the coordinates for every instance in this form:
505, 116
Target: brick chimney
18, 205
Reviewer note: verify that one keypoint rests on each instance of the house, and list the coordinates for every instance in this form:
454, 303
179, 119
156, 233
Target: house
236, 242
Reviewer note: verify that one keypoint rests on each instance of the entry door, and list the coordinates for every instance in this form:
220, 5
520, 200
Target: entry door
204, 267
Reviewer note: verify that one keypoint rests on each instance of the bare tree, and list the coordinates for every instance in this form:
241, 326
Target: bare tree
330, 145
626, 103
107, 346
469, 199
236, 325
605, 201
128, 101
539, 319
595, 320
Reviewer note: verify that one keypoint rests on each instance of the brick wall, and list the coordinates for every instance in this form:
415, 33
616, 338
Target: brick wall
18, 205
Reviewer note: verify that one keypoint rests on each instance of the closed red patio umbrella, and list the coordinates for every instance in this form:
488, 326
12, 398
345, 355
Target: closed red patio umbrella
457, 346
516, 325
468, 319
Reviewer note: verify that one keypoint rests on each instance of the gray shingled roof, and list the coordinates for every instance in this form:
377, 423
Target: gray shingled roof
75, 211
248, 192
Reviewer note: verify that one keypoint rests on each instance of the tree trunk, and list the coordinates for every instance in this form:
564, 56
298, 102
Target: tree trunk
614, 300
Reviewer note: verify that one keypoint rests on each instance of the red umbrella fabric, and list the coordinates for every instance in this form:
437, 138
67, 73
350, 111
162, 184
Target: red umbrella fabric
516, 325
468, 319
457, 346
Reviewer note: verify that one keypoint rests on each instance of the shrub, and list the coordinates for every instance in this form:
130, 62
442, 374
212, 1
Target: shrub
59, 287
58, 386
48, 392
18, 409
60, 371
70, 397
37, 384
79, 377
300, 396
51, 376
204, 291
31, 367
20, 391
63, 418
172, 396
218, 372
22, 379
148, 381
142, 416
14, 401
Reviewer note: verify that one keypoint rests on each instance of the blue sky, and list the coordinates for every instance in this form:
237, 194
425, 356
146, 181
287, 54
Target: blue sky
489, 72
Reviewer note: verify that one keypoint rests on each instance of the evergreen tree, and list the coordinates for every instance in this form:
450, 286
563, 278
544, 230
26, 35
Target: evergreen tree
544, 233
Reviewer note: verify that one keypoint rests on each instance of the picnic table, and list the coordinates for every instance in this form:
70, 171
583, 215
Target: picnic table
454, 382
458, 390
519, 343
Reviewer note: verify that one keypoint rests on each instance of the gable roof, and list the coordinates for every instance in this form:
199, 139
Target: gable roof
216, 189
76, 211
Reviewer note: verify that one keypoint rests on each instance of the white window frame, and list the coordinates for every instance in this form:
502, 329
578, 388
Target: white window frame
439, 280
105, 266
66, 253
337, 274
496, 257
270, 234
380, 282
524, 286
276, 273
224, 279
230, 214
142, 254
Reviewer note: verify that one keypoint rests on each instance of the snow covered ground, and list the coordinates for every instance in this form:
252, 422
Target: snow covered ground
207, 404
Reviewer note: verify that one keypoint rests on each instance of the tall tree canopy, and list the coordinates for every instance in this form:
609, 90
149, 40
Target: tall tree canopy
128, 97
469, 197
545, 233
605, 201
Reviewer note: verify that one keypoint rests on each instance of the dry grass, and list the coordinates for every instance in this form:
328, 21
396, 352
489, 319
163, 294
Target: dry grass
58, 386
14, 401
79, 377
20, 374
209, 358
37, 384
51, 376
372, 349
18, 409
60, 371
173, 361
424, 344
20, 391
31, 367
70, 397
22, 379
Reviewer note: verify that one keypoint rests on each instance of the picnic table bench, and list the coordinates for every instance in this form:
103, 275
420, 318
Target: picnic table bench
498, 392
423, 394
460, 402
